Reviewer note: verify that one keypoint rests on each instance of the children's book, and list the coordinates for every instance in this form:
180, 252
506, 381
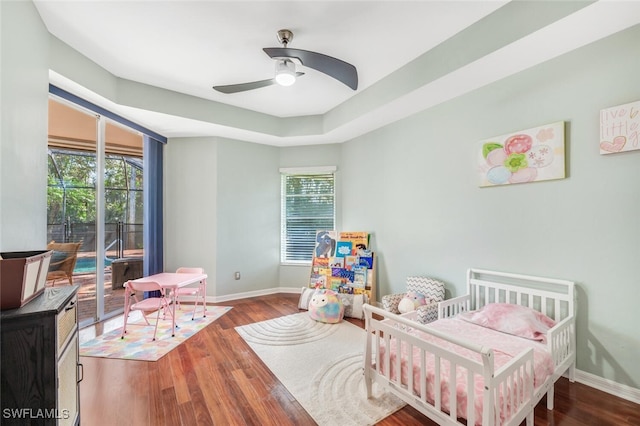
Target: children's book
335, 283
366, 261
321, 262
343, 262
345, 289
347, 275
325, 244
324, 271
317, 281
336, 262
343, 248
359, 276
350, 262
359, 240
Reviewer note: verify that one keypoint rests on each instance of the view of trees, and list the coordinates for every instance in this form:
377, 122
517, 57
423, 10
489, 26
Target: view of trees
308, 207
71, 190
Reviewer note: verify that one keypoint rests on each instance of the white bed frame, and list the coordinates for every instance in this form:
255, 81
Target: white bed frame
553, 297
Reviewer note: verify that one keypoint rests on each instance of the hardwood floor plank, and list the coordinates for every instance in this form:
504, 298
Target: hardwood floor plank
214, 378
180, 368
172, 413
187, 414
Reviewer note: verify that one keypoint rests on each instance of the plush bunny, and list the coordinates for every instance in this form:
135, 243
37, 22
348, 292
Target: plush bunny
411, 302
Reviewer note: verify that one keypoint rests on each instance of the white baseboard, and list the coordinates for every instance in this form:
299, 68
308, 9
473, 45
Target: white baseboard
608, 386
256, 293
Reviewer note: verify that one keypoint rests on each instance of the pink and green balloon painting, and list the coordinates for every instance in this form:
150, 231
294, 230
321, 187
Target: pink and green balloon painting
525, 156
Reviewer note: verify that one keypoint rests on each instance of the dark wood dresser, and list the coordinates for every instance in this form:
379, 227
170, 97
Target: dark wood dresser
40, 365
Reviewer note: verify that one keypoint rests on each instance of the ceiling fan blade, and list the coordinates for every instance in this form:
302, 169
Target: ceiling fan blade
336, 68
243, 87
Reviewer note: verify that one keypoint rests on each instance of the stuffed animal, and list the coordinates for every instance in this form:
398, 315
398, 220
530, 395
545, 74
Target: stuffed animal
326, 306
411, 302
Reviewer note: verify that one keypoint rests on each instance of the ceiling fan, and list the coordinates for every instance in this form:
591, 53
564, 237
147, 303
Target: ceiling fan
286, 74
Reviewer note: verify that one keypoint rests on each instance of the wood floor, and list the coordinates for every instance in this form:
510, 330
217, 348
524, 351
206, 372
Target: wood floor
214, 378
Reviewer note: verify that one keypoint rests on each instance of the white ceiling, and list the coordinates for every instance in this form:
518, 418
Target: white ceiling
190, 46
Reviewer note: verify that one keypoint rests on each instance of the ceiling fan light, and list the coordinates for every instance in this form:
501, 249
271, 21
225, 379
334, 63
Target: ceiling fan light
285, 72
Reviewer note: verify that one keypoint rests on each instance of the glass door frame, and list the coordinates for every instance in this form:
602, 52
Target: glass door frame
100, 206
153, 178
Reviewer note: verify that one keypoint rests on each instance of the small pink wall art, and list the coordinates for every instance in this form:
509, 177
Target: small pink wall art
525, 156
620, 128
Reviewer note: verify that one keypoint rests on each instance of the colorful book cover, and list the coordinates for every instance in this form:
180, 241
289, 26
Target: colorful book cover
335, 283
346, 274
325, 244
359, 240
324, 271
336, 262
359, 276
336, 272
321, 261
366, 261
317, 281
343, 248
350, 262
345, 289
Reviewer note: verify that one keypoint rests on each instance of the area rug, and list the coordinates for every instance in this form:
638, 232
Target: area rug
321, 366
138, 344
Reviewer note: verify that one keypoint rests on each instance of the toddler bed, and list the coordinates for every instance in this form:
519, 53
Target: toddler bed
491, 355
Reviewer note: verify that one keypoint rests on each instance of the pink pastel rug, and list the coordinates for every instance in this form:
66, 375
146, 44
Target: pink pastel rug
137, 343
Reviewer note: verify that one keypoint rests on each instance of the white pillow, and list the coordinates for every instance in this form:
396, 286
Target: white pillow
305, 297
352, 302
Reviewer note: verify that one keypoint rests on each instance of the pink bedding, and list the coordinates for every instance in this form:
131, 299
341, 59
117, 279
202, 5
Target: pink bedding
505, 348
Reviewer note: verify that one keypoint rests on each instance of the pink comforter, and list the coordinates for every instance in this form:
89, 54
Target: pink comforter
505, 348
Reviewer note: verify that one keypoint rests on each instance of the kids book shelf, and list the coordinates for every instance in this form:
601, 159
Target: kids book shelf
343, 262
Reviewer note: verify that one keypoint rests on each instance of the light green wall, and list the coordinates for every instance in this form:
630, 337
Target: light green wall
247, 217
190, 203
428, 215
412, 184
24, 86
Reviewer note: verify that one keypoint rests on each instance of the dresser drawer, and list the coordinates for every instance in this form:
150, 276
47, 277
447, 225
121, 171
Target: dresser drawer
67, 322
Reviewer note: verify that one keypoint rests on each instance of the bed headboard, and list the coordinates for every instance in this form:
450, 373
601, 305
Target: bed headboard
553, 297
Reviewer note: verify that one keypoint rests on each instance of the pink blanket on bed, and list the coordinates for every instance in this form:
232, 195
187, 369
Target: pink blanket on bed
505, 348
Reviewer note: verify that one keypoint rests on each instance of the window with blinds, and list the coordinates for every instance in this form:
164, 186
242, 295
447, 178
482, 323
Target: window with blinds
308, 205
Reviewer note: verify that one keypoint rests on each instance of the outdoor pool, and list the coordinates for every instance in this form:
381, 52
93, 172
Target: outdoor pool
86, 265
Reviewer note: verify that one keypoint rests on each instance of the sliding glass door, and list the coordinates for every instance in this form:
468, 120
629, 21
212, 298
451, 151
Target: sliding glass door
95, 197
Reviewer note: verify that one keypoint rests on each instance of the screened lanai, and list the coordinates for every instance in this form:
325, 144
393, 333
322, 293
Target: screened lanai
71, 201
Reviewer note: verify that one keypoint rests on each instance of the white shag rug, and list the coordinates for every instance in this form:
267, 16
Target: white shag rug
321, 366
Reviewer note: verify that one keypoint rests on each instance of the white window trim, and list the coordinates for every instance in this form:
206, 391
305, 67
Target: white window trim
308, 170
311, 170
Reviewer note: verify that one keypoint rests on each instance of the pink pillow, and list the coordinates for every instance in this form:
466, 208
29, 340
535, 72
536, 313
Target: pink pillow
512, 319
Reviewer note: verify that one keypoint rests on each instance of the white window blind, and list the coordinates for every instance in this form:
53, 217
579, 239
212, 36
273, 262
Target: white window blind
308, 205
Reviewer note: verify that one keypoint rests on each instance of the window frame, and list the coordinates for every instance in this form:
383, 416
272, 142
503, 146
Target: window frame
300, 171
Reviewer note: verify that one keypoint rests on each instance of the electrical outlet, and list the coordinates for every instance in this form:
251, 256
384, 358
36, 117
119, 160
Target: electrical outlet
237, 275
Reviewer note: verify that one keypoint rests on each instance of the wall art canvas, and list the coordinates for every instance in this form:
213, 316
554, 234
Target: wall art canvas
525, 156
620, 128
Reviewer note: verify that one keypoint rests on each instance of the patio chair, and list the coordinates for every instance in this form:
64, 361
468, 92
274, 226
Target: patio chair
198, 292
63, 261
148, 305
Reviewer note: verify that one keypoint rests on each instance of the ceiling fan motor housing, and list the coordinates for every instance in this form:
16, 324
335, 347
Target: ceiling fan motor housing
285, 37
